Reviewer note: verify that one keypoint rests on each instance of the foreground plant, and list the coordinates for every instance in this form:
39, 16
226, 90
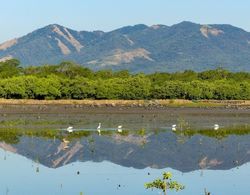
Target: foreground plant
165, 183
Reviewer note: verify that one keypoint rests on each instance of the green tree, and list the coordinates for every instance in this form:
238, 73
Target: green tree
72, 70
109, 89
137, 87
14, 88
217, 74
81, 88
10, 68
193, 90
225, 90
46, 88
170, 90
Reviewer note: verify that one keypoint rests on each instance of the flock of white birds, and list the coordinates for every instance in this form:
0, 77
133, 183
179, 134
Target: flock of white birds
216, 127
119, 128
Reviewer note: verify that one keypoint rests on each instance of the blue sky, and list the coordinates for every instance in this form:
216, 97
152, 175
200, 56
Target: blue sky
19, 17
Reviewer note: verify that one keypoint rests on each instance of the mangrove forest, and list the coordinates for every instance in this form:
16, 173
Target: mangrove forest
69, 80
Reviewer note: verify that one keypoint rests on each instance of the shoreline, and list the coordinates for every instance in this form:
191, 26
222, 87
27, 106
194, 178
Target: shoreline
121, 106
139, 103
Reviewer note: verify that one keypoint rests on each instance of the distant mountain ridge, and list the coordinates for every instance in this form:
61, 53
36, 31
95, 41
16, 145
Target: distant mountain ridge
138, 48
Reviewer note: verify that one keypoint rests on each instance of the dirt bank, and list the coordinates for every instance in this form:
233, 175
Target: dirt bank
120, 106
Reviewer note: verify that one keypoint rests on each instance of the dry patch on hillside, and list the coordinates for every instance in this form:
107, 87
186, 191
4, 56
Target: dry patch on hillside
155, 27
64, 49
123, 57
8, 44
73, 41
68, 37
208, 30
129, 40
9, 57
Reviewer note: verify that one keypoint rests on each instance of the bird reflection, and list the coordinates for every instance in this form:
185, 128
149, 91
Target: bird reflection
99, 129
65, 143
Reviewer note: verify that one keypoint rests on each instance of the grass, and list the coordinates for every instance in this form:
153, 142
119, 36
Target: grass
12, 135
218, 134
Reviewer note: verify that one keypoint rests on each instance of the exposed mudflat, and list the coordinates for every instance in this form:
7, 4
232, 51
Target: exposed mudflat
79, 108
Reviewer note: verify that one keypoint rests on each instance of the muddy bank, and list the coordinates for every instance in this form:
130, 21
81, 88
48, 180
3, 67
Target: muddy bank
61, 107
131, 103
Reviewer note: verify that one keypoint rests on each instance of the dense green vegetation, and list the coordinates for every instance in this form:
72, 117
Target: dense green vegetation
71, 81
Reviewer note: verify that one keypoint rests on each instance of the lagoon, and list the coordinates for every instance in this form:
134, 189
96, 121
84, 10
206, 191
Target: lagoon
36, 160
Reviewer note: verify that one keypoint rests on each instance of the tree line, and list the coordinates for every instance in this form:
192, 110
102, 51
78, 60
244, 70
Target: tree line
68, 80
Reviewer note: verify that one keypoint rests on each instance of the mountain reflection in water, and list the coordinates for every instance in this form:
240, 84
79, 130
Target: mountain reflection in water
39, 157
185, 150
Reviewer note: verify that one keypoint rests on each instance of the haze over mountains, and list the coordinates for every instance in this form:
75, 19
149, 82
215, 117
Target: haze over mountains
138, 48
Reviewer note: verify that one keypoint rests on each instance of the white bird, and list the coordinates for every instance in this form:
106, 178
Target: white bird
174, 127
216, 126
119, 129
99, 128
70, 129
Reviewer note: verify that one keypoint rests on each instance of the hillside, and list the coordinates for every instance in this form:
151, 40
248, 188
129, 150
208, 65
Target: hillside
138, 48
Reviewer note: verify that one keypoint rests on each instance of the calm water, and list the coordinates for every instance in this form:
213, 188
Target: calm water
38, 157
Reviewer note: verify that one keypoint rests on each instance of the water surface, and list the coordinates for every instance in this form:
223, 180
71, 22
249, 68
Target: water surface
38, 156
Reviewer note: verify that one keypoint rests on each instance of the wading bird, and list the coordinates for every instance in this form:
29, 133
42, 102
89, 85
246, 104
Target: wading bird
119, 129
70, 129
99, 128
216, 127
174, 127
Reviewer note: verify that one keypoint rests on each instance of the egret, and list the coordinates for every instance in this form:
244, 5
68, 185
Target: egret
99, 128
119, 129
216, 126
174, 127
70, 129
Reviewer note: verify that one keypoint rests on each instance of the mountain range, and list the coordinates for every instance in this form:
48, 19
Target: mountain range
138, 48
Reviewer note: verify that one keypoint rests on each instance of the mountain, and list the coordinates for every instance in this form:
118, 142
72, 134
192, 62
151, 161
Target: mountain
138, 48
